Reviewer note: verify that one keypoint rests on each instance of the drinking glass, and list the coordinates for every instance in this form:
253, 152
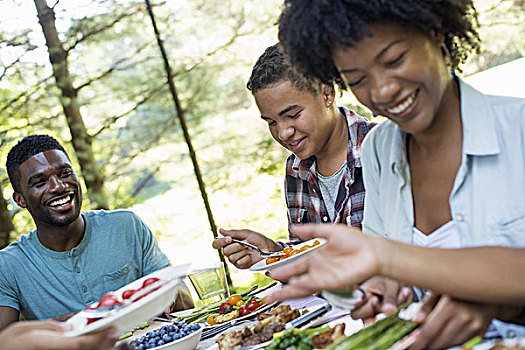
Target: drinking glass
210, 284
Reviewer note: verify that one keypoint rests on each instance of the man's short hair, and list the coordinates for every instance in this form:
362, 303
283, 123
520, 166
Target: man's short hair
25, 149
273, 67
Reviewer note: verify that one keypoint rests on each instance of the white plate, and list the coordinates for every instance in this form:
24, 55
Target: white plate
130, 316
251, 314
262, 266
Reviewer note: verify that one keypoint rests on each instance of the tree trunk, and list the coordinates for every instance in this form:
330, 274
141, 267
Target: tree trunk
79, 136
187, 138
6, 224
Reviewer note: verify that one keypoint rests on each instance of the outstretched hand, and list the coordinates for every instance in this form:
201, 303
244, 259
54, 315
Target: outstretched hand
239, 255
348, 258
43, 335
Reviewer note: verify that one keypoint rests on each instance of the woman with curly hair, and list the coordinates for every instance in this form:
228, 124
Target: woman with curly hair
447, 169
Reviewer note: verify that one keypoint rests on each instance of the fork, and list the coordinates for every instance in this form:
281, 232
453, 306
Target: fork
263, 254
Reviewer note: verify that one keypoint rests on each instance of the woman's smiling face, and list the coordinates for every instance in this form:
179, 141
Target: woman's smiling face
398, 72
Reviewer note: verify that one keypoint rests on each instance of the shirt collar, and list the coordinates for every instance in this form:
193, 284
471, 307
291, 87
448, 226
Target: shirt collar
302, 167
479, 133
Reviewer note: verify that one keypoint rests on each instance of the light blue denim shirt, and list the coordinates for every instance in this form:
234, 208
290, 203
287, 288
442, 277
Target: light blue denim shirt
487, 201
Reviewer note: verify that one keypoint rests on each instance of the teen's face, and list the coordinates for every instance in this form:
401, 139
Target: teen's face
50, 189
299, 120
399, 73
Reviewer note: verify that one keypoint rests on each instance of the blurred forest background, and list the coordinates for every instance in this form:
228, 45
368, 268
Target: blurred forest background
97, 83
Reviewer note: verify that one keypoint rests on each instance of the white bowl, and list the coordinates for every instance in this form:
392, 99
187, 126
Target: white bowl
189, 342
130, 316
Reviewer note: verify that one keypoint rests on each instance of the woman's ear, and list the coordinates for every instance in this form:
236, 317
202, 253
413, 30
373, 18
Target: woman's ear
19, 199
328, 94
437, 36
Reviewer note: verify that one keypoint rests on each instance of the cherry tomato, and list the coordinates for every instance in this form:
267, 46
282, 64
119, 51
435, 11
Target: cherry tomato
128, 293
109, 299
149, 281
287, 250
271, 260
225, 308
211, 319
234, 299
253, 305
243, 310
240, 303
93, 319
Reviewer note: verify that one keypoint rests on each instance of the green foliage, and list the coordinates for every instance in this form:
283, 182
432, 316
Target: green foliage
120, 79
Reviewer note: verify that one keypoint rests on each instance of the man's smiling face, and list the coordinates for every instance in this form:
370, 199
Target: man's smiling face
50, 189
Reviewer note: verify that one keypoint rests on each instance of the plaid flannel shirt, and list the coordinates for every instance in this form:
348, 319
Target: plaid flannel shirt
303, 196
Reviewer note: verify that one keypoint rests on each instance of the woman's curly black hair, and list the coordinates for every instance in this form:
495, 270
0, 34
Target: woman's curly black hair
272, 67
308, 29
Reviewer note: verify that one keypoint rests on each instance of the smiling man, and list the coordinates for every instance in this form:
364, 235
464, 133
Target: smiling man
72, 258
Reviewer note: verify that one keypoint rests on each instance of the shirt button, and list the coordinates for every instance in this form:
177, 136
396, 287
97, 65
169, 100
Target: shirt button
460, 217
77, 269
325, 218
84, 289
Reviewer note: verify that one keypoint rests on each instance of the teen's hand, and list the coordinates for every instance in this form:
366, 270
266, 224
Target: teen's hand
448, 322
383, 295
239, 255
348, 258
44, 335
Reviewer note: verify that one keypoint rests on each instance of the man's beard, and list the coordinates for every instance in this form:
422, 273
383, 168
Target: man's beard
47, 217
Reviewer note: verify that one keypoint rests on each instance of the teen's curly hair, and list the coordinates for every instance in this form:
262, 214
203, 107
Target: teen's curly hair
273, 67
308, 29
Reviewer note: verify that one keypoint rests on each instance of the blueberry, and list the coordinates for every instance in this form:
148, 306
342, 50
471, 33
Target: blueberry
140, 346
160, 342
171, 327
149, 334
177, 336
166, 338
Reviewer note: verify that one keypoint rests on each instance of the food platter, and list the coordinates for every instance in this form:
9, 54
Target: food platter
228, 311
263, 266
263, 308
127, 317
261, 333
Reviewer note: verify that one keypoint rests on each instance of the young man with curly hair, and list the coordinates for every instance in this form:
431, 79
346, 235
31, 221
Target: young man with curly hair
72, 258
446, 170
323, 182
